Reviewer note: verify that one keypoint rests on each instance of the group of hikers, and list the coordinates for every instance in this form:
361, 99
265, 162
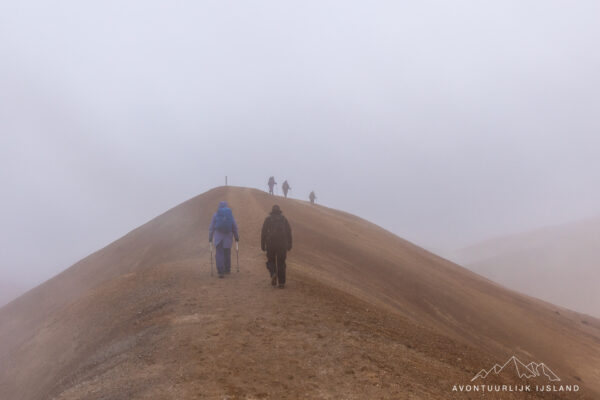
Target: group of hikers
275, 239
286, 188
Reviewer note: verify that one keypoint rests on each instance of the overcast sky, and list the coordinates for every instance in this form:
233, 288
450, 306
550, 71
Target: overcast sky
446, 122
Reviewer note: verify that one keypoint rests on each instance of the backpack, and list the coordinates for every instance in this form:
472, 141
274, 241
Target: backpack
277, 233
224, 220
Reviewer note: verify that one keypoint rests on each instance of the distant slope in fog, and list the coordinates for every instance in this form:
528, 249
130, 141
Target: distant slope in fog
10, 291
560, 264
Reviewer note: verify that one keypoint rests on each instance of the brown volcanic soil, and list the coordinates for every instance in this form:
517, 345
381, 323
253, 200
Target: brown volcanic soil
365, 315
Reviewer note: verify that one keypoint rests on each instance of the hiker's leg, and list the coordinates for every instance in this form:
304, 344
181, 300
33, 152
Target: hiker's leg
271, 265
227, 261
220, 258
281, 255
271, 259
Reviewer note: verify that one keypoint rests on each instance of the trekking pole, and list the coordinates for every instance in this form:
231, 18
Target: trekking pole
237, 254
211, 267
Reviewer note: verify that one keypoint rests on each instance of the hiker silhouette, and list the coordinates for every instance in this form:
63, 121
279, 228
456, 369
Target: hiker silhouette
286, 187
271, 184
276, 240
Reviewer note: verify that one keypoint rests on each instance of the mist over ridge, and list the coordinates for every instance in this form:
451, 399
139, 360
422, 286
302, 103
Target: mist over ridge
445, 123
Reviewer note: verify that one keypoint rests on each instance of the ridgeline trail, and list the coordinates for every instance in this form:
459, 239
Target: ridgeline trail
364, 315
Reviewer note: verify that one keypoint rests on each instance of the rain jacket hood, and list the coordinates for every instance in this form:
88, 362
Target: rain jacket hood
275, 210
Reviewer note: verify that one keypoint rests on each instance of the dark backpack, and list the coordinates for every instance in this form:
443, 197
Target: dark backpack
224, 220
277, 233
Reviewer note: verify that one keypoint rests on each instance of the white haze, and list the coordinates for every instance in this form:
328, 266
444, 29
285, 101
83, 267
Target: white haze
444, 122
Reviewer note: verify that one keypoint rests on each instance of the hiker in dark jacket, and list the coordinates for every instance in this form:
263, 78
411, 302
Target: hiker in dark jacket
276, 240
312, 197
271, 184
223, 229
286, 187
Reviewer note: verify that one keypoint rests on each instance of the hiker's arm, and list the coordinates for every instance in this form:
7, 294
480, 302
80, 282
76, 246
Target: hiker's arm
288, 230
235, 231
263, 236
211, 229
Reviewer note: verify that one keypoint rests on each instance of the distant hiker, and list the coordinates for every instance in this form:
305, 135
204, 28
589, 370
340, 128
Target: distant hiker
221, 232
276, 240
271, 184
285, 187
312, 197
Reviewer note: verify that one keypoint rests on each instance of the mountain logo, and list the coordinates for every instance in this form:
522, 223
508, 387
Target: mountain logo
531, 370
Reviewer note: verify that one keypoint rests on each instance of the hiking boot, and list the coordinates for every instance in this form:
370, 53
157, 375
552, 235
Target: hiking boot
281, 285
273, 280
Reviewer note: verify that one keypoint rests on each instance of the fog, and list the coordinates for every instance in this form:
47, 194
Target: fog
444, 122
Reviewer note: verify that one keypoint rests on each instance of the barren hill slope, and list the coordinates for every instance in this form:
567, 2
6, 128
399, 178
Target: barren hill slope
559, 264
365, 315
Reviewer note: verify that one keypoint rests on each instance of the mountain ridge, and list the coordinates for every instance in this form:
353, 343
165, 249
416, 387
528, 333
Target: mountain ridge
365, 314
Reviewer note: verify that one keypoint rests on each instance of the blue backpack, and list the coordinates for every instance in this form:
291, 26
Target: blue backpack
224, 220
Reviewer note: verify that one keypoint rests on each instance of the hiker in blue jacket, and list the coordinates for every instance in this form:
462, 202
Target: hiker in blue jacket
221, 232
